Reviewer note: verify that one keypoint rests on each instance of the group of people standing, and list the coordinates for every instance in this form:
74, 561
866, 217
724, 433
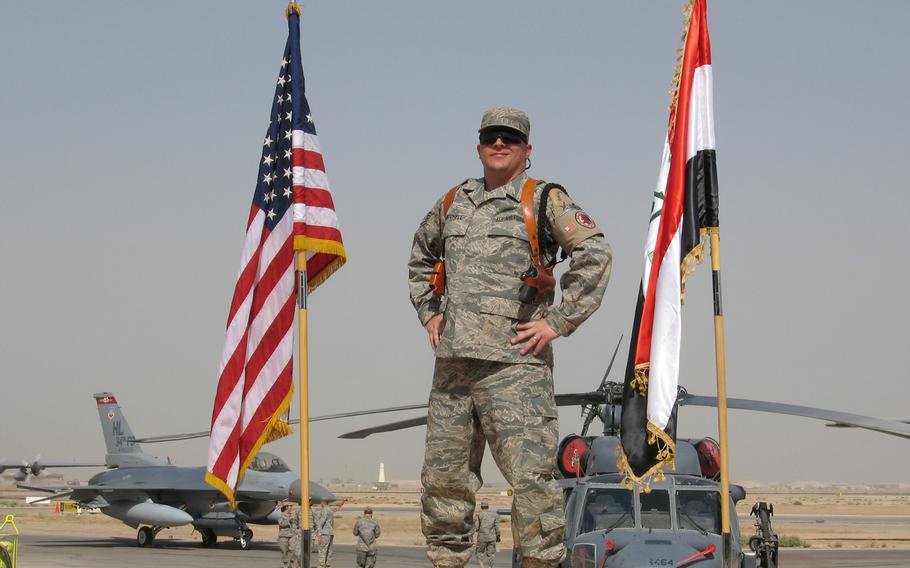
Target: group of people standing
367, 531
322, 530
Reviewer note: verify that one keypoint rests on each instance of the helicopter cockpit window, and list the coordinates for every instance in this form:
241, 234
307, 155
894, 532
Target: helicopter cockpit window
270, 463
655, 509
607, 509
698, 511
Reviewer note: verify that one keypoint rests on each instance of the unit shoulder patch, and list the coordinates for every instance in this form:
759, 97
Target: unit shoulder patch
571, 225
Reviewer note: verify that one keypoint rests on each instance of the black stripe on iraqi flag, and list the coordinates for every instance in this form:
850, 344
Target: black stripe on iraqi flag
641, 455
700, 209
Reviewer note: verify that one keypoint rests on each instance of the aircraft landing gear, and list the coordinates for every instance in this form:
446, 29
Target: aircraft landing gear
245, 538
209, 538
145, 536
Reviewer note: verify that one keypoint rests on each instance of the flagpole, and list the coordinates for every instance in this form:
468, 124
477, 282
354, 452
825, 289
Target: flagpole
303, 400
714, 232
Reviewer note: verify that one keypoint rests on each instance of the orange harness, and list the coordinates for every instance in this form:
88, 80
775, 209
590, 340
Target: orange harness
537, 279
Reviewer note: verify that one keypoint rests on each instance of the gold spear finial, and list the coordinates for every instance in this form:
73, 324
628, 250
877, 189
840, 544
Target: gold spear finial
292, 7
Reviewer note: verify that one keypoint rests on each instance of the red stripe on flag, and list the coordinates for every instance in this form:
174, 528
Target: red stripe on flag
270, 340
272, 400
228, 453
230, 375
271, 275
671, 215
308, 159
313, 196
317, 263
317, 232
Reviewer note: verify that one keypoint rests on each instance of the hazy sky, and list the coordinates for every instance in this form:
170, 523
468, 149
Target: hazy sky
129, 139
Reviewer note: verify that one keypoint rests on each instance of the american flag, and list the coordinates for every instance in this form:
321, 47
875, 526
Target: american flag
292, 210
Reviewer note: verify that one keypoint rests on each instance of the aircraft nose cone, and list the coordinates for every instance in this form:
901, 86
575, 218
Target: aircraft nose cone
317, 492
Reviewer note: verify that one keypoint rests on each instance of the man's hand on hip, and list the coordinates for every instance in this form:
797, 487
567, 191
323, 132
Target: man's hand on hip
434, 329
536, 335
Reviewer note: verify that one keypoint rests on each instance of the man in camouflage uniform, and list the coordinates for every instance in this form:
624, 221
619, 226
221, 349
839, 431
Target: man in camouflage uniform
486, 526
324, 527
493, 377
366, 529
288, 529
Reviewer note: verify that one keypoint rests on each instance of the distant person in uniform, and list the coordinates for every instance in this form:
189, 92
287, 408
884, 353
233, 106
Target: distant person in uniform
486, 525
491, 331
366, 529
288, 534
324, 528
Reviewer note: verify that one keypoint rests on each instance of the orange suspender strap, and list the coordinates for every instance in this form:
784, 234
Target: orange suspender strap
447, 201
530, 217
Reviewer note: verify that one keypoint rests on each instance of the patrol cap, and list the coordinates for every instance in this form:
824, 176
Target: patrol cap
484, 504
368, 511
506, 117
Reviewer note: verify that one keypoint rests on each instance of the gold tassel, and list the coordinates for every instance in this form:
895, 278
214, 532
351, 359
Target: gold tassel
677, 69
279, 430
640, 378
666, 456
695, 257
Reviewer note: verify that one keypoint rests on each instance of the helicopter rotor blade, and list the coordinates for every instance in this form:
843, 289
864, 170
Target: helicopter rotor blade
206, 433
891, 427
390, 427
567, 399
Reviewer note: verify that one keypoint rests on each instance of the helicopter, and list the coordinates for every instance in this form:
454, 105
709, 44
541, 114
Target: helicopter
675, 521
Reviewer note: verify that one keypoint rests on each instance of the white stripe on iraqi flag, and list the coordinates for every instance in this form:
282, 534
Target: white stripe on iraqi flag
665, 339
701, 113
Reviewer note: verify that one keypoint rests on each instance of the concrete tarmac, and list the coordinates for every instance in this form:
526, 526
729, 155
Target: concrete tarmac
51, 551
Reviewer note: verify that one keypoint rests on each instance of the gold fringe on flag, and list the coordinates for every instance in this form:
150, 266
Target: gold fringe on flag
309, 244
677, 69
640, 378
666, 456
695, 257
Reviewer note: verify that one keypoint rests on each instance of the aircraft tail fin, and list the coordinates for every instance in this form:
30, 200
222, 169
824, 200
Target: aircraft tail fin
122, 450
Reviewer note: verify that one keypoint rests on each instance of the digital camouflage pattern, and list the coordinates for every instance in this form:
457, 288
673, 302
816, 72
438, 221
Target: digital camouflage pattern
367, 530
324, 527
487, 248
511, 407
486, 526
288, 536
508, 117
483, 389
486, 523
485, 553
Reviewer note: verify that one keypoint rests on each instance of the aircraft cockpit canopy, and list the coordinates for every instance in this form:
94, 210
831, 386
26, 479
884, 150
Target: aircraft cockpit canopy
606, 508
266, 462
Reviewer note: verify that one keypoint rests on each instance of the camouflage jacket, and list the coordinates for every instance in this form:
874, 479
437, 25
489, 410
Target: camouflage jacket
487, 248
324, 520
366, 529
486, 523
289, 522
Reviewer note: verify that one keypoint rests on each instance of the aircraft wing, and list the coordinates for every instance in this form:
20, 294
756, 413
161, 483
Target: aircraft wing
892, 427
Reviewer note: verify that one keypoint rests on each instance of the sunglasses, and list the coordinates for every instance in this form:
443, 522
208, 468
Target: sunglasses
508, 138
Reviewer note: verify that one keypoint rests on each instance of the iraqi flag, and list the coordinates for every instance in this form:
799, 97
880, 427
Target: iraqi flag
684, 210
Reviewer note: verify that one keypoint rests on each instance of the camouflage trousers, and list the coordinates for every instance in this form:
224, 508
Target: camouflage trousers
325, 549
485, 552
366, 559
512, 407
